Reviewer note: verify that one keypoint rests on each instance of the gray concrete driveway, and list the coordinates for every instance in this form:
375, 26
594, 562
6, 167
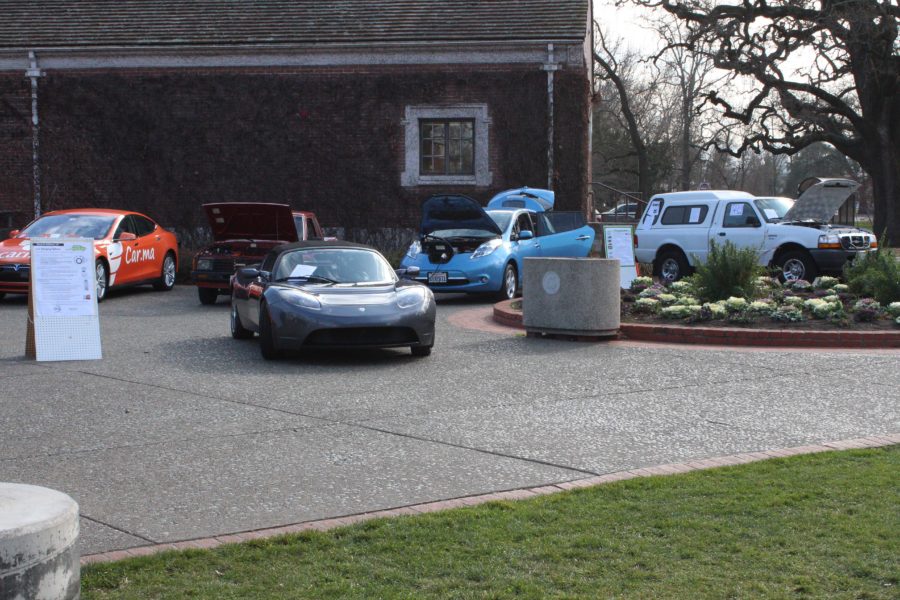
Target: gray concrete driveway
181, 432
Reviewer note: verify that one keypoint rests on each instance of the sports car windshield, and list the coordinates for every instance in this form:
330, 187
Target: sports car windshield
334, 266
69, 225
773, 209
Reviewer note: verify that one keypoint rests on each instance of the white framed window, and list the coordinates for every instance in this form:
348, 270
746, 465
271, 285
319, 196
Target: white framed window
446, 145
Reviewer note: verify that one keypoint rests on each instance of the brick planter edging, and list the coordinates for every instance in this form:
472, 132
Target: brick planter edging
732, 336
874, 441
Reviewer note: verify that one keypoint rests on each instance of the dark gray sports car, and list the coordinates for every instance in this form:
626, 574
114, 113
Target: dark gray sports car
330, 294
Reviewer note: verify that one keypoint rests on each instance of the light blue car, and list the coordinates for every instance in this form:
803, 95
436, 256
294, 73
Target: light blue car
464, 248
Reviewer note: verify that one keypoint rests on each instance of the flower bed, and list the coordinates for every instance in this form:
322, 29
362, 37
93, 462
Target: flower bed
824, 304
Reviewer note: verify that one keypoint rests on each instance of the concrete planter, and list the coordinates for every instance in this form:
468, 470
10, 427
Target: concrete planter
38, 544
571, 296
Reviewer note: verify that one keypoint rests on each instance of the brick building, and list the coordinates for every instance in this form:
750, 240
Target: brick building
357, 110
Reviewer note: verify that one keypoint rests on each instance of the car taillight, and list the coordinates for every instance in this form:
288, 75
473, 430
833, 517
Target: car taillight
635, 241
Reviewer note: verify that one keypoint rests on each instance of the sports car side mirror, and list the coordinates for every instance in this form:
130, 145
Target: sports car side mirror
13, 233
249, 273
127, 236
407, 273
525, 235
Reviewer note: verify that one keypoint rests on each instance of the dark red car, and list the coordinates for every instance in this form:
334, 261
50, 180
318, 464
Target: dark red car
243, 233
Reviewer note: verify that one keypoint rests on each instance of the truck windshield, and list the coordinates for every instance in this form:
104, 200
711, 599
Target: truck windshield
773, 209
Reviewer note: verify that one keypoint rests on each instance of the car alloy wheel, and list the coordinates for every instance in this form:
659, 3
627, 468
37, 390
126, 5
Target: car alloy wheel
793, 269
670, 269
510, 282
167, 278
102, 280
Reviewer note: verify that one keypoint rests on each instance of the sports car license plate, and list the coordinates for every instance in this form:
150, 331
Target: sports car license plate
437, 277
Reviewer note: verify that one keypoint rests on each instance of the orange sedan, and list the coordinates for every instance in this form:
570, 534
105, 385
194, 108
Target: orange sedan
129, 249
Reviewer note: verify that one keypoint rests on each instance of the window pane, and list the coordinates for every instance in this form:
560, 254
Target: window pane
447, 147
468, 157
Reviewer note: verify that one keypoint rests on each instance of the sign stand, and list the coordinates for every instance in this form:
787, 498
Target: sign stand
63, 320
618, 242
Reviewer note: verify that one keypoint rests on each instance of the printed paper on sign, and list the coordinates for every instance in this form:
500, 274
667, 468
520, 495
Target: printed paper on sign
770, 213
303, 270
695, 215
736, 210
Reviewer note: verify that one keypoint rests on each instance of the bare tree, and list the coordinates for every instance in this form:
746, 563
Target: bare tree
607, 58
690, 74
824, 71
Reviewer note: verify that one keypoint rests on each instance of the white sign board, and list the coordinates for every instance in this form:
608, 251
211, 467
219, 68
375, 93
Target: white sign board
64, 296
619, 243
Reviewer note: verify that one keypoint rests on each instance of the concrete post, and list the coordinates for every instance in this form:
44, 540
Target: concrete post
39, 557
571, 296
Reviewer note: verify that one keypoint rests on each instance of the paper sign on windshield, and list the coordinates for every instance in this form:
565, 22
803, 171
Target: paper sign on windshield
770, 213
303, 270
736, 210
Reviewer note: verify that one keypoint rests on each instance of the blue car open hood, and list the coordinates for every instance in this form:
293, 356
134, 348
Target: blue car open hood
455, 211
534, 199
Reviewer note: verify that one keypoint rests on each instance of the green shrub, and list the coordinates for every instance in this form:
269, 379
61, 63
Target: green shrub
728, 271
876, 275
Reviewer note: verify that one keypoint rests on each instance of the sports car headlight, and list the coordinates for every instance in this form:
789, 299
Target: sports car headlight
412, 296
414, 249
303, 300
204, 264
486, 248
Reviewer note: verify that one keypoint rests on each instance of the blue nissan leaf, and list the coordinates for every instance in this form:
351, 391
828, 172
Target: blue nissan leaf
462, 247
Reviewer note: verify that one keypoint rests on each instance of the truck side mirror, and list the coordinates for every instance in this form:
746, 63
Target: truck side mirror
753, 221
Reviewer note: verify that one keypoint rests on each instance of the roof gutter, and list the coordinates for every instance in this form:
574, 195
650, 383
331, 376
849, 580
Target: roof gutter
293, 55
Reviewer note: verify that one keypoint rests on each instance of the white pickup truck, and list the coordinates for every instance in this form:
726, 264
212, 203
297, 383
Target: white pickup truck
676, 230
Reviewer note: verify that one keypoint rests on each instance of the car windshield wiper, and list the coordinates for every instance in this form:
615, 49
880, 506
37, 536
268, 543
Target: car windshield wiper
317, 278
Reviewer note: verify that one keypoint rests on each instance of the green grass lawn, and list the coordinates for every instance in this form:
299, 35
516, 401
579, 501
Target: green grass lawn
818, 526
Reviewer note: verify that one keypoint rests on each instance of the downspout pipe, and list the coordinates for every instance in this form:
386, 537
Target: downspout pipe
34, 73
551, 66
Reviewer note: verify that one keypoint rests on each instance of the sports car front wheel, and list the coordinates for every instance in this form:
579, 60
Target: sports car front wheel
238, 331
266, 339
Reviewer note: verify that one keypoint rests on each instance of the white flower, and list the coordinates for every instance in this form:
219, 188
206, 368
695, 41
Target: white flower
735, 304
824, 282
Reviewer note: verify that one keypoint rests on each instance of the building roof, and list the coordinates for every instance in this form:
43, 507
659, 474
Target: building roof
33, 24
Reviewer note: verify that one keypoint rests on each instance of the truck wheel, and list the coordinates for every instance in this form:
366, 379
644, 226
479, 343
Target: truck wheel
796, 264
207, 295
671, 265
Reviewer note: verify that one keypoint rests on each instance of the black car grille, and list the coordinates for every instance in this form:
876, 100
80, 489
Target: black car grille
223, 264
854, 242
362, 336
14, 273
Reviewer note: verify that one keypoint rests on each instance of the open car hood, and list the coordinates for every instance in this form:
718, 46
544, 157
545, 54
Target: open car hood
455, 211
534, 199
251, 221
821, 200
